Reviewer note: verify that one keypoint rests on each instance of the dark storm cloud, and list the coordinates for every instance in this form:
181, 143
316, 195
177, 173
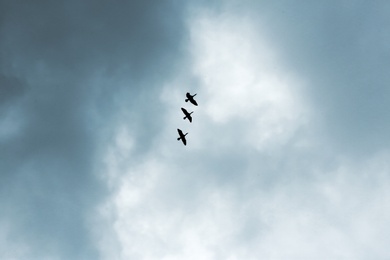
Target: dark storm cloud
342, 49
50, 54
10, 88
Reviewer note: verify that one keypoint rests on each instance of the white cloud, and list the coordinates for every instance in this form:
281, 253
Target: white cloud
242, 81
328, 218
167, 205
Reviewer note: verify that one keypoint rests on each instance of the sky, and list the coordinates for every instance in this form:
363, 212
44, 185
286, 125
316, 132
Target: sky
287, 157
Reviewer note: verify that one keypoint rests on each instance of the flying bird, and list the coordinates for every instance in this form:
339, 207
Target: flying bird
182, 136
191, 98
187, 115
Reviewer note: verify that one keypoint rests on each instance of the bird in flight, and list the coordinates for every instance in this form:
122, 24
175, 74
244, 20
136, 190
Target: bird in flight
191, 98
182, 136
187, 115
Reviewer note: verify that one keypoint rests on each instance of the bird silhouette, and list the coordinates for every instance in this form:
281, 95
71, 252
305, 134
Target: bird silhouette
187, 115
191, 98
182, 136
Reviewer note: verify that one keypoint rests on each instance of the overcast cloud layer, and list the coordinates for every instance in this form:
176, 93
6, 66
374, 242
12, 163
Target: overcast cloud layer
287, 156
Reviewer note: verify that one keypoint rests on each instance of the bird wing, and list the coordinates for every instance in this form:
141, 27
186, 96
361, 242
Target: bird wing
184, 110
183, 139
190, 118
180, 132
194, 102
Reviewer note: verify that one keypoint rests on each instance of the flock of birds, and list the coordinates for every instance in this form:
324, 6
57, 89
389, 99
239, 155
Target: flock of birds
187, 116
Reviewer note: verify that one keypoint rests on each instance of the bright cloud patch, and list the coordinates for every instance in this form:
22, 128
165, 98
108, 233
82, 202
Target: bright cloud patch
242, 81
330, 218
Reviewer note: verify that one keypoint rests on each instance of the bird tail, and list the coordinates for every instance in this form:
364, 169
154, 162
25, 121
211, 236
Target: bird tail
184, 118
186, 100
178, 139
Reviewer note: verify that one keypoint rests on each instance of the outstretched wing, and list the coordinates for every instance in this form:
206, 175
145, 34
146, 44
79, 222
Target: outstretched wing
180, 132
193, 102
183, 139
190, 118
184, 111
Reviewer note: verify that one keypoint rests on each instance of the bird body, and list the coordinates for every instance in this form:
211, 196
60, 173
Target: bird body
187, 115
191, 99
182, 136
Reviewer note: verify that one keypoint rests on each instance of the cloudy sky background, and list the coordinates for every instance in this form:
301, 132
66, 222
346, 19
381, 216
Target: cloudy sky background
288, 155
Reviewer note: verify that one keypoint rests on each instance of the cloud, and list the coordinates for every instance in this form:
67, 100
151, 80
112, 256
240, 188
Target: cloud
280, 161
243, 81
340, 48
56, 115
258, 178
164, 211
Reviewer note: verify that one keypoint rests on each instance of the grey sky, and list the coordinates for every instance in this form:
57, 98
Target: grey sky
342, 48
287, 155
